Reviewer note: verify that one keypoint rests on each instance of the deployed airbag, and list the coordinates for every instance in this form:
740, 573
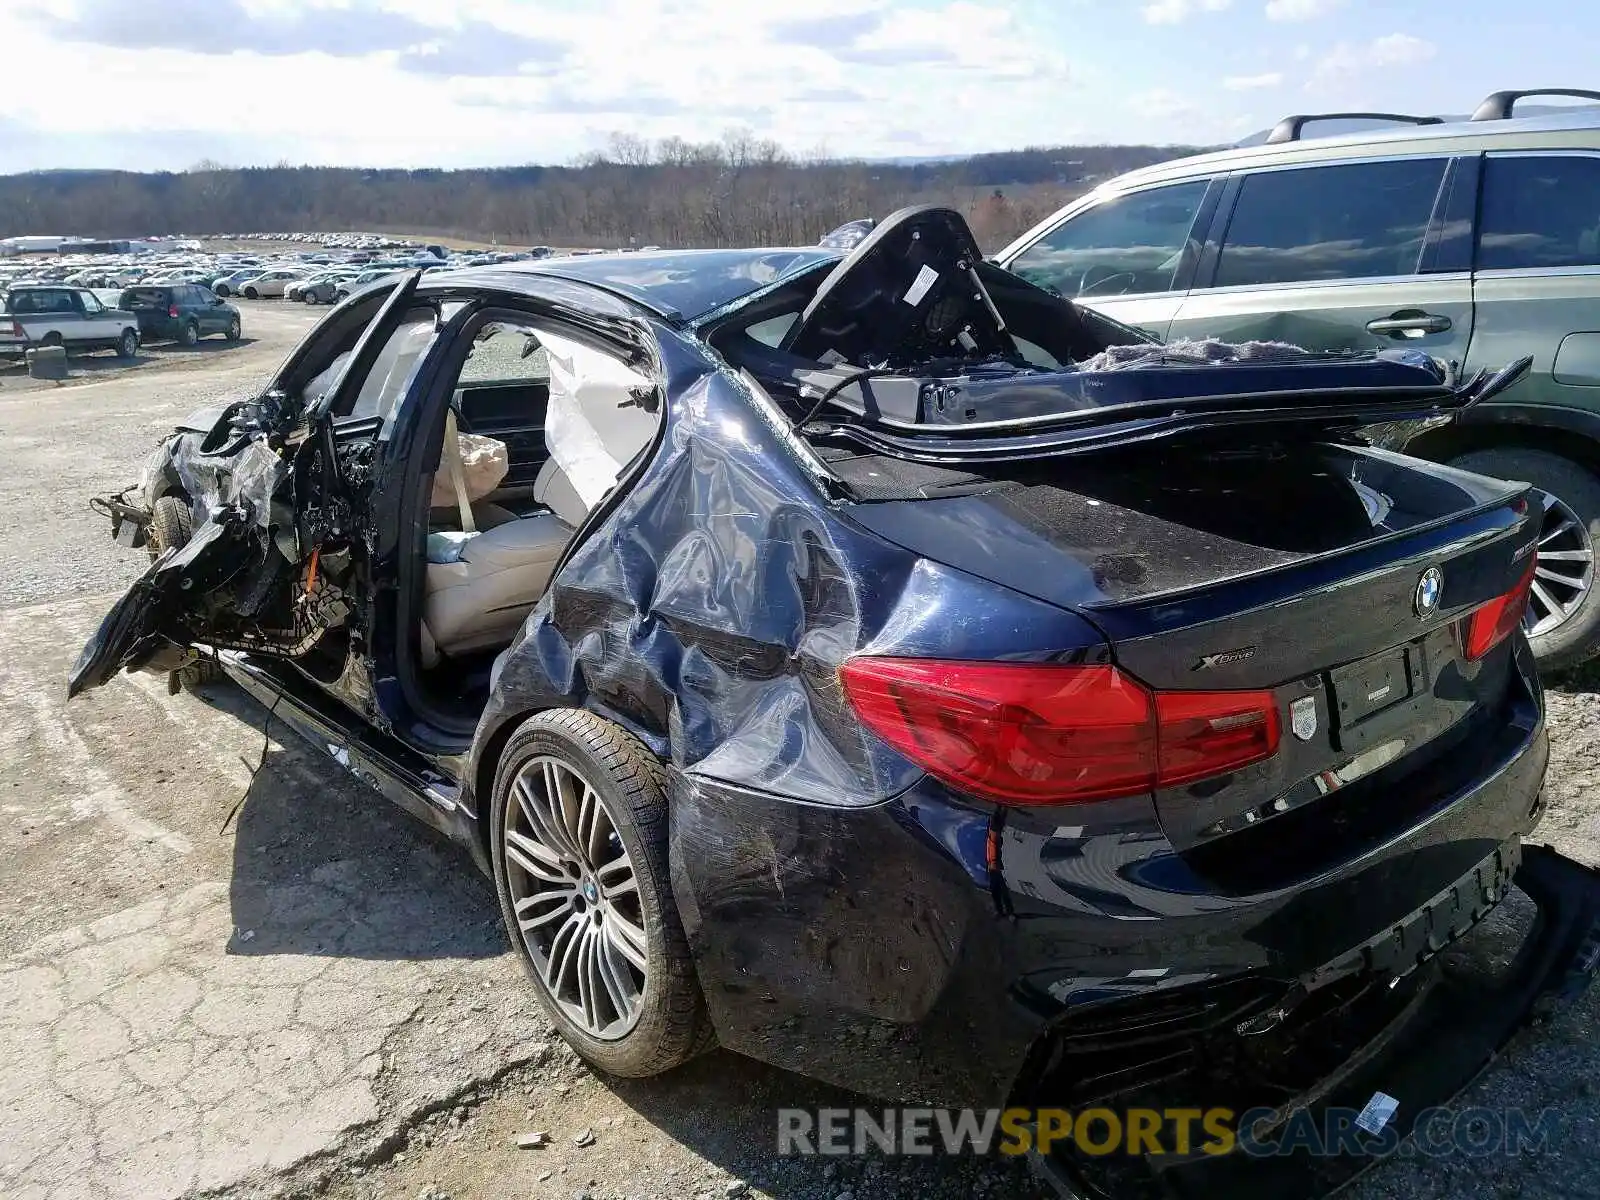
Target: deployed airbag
595, 423
484, 463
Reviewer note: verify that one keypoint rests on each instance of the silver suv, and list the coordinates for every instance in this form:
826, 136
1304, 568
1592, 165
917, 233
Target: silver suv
1475, 240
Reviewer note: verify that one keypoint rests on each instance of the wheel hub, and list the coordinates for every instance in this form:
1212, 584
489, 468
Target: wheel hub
575, 895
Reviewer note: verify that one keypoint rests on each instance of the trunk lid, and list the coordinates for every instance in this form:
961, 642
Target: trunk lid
1339, 579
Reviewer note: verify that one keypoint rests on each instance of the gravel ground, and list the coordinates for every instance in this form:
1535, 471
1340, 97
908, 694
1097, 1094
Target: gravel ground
66, 442
235, 972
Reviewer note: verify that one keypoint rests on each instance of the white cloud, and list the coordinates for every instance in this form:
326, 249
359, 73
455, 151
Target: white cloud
1300, 10
1171, 12
1350, 59
1162, 103
1247, 83
496, 82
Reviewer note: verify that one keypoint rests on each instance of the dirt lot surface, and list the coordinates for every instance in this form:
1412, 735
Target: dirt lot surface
228, 969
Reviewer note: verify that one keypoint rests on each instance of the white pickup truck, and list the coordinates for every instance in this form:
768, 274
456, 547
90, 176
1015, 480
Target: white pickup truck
48, 315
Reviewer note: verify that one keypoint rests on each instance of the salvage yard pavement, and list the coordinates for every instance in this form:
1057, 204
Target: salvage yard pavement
230, 969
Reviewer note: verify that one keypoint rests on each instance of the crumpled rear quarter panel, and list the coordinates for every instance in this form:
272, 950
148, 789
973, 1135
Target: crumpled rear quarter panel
709, 614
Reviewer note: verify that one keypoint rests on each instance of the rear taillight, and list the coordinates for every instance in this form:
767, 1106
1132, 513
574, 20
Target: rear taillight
172, 311
1488, 626
1026, 733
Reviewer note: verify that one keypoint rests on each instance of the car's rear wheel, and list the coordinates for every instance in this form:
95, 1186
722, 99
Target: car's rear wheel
191, 334
222, 290
250, 293
171, 525
128, 344
579, 841
1563, 617
50, 339
235, 330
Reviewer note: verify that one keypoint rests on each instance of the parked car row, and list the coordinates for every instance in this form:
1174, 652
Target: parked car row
81, 319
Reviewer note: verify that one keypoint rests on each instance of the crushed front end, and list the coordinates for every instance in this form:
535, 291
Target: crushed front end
251, 516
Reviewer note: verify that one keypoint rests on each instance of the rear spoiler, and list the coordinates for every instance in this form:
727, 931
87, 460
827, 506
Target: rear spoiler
1300, 413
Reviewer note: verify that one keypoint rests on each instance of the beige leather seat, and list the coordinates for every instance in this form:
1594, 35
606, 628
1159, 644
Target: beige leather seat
479, 601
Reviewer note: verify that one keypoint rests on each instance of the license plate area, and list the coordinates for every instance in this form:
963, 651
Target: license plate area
1367, 694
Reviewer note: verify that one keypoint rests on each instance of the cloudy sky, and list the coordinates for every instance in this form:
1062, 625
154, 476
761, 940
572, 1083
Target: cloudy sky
162, 84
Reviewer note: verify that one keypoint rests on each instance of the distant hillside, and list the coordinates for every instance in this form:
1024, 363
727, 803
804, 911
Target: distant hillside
739, 191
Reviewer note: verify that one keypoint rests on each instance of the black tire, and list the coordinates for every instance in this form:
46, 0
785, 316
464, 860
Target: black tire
190, 336
128, 344
235, 330
50, 339
170, 526
673, 1025
251, 294
222, 290
1577, 638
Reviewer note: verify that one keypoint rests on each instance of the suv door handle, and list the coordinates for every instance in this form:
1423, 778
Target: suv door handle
1418, 324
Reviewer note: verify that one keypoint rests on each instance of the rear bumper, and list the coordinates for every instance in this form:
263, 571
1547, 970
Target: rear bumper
920, 950
1441, 1038
159, 328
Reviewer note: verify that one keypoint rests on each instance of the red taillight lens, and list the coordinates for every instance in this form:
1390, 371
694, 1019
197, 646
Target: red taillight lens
1211, 733
172, 311
1045, 734
1492, 624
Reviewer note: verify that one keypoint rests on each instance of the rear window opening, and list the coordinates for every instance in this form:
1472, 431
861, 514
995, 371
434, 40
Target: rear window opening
137, 298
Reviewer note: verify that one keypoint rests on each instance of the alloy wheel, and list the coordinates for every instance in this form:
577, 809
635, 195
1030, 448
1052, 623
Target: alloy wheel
1565, 571
576, 897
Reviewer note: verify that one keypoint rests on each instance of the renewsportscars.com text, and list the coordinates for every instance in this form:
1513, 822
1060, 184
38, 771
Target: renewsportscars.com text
1438, 1132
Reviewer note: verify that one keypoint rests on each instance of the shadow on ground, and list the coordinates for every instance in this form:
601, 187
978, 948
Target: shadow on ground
323, 865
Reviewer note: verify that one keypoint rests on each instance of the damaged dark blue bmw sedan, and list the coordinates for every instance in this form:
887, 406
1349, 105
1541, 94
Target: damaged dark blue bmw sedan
877, 665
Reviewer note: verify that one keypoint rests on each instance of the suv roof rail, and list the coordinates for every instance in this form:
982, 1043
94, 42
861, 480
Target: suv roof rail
1499, 106
1290, 128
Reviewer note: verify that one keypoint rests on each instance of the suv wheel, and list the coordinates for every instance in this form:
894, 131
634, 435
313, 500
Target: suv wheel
579, 841
128, 344
1563, 618
191, 334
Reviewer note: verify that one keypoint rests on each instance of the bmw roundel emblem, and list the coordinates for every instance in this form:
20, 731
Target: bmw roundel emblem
1429, 589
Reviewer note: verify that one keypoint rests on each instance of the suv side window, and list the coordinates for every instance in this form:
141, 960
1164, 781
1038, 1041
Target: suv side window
91, 305
1540, 212
1339, 221
1127, 244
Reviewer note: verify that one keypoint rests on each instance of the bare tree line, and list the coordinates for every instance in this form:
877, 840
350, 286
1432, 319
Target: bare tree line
740, 190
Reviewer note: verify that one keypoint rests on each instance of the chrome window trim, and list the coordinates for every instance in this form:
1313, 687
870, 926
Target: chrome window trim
1365, 281
1539, 272
1553, 152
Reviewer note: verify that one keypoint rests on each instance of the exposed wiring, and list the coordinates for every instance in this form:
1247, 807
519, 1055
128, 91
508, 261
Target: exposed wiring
266, 743
838, 386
